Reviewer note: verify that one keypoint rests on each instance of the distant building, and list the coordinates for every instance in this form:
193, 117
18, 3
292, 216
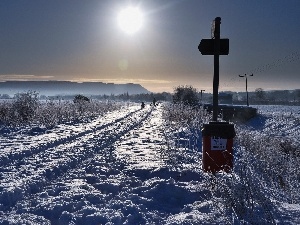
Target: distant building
225, 98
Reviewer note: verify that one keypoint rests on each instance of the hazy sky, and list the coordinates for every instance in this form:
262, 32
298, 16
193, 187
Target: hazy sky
81, 40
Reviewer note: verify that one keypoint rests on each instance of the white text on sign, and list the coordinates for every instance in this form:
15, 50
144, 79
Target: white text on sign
218, 143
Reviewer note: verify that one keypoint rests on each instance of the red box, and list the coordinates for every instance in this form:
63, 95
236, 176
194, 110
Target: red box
217, 153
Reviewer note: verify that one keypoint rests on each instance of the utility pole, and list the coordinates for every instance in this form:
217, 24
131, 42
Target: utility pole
251, 75
201, 95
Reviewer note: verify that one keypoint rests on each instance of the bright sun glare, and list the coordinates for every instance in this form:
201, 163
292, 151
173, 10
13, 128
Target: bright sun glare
130, 20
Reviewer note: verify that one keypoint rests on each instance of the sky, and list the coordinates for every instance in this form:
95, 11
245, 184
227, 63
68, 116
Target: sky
82, 41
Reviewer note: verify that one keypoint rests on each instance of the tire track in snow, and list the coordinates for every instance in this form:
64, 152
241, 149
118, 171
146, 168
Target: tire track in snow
31, 174
18, 149
142, 147
112, 188
114, 180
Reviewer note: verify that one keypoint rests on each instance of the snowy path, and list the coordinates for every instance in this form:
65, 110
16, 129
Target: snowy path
26, 171
141, 147
113, 170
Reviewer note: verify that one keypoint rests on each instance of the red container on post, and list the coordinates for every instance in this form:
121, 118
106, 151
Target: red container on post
217, 146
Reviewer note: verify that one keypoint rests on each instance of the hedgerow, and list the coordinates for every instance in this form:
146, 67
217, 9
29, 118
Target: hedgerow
25, 109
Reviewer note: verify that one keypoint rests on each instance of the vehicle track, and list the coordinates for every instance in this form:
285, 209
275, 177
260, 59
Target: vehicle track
29, 174
17, 148
117, 177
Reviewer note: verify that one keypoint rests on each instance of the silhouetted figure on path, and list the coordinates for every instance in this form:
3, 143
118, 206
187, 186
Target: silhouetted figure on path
154, 102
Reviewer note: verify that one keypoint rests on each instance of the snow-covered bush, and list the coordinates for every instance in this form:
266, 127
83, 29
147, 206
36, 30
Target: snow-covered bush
5, 112
53, 112
277, 162
24, 106
182, 115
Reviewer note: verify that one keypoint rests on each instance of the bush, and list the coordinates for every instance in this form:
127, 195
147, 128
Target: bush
186, 95
5, 112
26, 109
81, 99
24, 106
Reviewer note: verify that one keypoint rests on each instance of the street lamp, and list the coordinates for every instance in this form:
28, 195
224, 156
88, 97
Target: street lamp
246, 85
201, 95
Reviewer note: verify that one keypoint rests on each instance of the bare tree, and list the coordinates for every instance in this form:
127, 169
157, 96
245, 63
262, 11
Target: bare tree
260, 94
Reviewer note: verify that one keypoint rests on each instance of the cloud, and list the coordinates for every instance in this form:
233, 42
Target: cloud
122, 81
23, 77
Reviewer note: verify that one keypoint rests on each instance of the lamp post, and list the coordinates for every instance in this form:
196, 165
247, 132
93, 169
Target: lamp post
246, 85
201, 95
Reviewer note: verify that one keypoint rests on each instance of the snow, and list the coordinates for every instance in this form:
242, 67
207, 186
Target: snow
132, 166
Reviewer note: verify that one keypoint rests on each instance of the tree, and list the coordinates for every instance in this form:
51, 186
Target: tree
81, 99
297, 91
260, 94
186, 95
81, 102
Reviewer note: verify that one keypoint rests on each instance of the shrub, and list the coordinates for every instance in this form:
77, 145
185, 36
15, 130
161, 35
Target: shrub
26, 109
81, 99
24, 106
186, 95
5, 112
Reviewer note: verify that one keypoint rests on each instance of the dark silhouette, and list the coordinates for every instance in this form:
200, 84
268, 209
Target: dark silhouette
143, 105
81, 99
246, 86
186, 95
154, 102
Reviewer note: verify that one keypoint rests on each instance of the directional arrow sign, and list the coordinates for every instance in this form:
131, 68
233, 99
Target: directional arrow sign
206, 46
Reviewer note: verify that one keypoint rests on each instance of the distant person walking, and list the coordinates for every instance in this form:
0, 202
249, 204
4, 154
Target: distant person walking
143, 105
154, 102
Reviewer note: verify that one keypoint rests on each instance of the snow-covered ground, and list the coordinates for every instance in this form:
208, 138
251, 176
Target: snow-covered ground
131, 166
278, 121
273, 139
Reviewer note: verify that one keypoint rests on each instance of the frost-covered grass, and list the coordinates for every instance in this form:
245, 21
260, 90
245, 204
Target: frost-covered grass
266, 163
27, 110
56, 112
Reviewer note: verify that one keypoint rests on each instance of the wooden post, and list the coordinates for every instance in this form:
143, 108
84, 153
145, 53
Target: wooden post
217, 23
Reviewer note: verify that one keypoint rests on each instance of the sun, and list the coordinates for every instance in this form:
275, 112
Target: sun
130, 19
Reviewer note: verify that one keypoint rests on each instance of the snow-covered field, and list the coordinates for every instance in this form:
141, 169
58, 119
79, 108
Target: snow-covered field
138, 166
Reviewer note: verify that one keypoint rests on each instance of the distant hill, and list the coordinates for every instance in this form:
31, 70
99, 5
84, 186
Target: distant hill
51, 88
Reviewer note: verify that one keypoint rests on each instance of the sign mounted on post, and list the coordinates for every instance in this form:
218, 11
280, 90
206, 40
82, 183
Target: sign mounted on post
207, 46
216, 47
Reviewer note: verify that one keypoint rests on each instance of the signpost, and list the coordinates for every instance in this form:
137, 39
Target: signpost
217, 136
215, 47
